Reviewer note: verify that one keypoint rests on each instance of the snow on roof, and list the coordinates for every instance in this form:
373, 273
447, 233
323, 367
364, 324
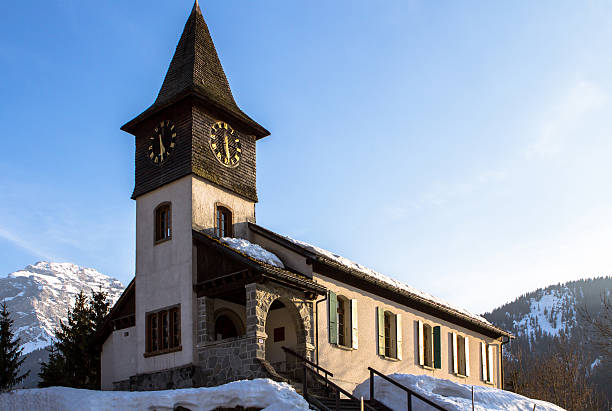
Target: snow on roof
381, 277
259, 393
448, 394
253, 250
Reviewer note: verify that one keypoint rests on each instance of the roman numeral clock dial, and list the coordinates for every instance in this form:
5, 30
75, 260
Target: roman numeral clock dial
225, 144
162, 142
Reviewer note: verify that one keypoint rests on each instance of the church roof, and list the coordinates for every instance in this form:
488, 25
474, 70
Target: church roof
262, 265
195, 70
422, 299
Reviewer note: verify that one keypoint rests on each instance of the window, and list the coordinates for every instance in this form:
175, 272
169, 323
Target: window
342, 321
228, 325
224, 222
430, 353
461, 355
389, 334
163, 223
279, 334
487, 356
163, 330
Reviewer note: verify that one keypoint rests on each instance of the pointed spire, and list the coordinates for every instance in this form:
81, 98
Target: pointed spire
195, 69
196, 64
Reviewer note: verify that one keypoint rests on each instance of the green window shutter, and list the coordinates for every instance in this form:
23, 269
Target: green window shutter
333, 318
381, 330
354, 336
437, 347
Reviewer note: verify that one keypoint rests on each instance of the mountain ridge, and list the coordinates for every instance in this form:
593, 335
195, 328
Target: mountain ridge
39, 296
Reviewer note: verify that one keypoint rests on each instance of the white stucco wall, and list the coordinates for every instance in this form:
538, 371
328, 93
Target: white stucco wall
206, 196
280, 317
335, 359
118, 357
164, 271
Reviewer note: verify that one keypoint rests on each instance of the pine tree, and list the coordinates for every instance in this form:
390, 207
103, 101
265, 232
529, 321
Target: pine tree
10, 353
75, 359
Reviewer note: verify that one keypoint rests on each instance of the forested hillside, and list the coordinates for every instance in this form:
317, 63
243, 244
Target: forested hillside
556, 317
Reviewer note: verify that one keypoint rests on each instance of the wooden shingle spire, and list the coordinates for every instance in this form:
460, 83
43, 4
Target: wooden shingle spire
196, 70
196, 64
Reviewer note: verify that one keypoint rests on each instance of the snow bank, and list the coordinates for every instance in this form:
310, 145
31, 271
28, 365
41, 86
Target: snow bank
261, 393
253, 250
383, 278
449, 395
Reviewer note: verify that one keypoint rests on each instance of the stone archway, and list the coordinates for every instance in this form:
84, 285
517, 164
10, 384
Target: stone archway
280, 305
283, 329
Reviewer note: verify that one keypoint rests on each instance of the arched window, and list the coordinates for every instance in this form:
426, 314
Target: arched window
163, 222
224, 222
228, 325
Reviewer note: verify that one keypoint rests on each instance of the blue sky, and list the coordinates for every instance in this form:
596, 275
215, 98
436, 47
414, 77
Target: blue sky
462, 147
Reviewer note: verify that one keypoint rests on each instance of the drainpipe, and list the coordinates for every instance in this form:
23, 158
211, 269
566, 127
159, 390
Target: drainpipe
501, 358
317, 327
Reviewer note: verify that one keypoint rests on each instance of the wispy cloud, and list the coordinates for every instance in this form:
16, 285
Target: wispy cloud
442, 193
24, 244
564, 117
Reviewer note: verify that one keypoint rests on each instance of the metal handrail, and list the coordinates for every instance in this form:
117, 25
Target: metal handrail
324, 379
307, 361
397, 384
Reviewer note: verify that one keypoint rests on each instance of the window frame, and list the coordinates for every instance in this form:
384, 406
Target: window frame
158, 236
222, 210
461, 355
161, 330
344, 322
428, 346
488, 366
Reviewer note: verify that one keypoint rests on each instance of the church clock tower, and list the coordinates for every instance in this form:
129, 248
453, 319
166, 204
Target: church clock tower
195, 126
195, 169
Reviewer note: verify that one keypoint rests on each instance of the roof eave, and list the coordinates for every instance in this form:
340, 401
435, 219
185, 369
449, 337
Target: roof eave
245, 121
295, 247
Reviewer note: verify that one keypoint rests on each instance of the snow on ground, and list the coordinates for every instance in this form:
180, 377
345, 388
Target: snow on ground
381, 277
449, 395
261, 393
253, 250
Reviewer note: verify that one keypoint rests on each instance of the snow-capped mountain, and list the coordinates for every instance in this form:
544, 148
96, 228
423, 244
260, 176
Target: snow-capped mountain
539, 317
550, 311
39, 296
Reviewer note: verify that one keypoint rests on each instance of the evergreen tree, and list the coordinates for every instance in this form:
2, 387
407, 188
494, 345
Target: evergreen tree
75, 359
10, 353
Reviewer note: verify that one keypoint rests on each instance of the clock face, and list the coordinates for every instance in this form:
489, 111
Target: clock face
162, 142
225, 144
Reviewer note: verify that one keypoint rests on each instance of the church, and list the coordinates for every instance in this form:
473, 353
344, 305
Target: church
217, 297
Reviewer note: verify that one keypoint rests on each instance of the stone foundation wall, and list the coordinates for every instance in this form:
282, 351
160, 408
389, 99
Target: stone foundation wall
230, 360
180, 377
